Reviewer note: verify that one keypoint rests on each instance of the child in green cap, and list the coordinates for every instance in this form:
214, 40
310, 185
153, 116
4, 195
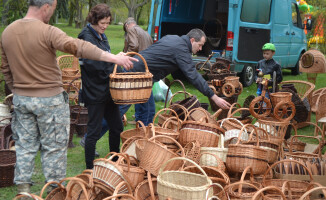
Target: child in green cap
268, 66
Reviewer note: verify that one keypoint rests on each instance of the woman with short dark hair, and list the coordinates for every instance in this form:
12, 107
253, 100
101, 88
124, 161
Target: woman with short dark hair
95, 89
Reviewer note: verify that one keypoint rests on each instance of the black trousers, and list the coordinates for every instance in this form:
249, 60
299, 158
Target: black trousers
96, 112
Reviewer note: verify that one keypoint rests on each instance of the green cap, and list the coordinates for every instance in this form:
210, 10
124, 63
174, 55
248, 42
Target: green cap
269, 46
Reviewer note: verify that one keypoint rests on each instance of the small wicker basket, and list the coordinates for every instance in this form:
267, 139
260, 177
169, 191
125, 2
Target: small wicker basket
147, 190
7, 167
131, 87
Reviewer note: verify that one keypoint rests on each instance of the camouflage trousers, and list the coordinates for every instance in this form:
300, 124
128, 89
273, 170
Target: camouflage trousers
41, 123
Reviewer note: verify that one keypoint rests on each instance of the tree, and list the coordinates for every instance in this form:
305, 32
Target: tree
133, 5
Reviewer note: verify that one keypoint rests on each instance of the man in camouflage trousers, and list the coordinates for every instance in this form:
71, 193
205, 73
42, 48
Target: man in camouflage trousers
41, 109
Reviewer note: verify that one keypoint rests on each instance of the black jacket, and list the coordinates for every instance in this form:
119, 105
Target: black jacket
168, 55
268, 67
95, 74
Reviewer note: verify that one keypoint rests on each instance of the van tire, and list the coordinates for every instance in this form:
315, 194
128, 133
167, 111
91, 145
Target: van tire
247, 75
295, 70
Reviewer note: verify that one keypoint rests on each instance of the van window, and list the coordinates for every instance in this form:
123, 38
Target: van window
296, 18
256, 11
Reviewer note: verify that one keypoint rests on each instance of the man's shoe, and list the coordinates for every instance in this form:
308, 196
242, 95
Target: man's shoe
97, 154
24, 188
82, 142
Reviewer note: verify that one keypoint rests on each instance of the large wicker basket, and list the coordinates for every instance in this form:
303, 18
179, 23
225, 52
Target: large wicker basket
131, 87
7, 167
180, 185
240, 156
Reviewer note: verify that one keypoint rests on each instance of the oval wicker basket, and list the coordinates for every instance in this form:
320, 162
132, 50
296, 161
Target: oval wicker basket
220, 151
131, 87
205, 133
152, 154
147, 190
139, 131
240, 156
171, 184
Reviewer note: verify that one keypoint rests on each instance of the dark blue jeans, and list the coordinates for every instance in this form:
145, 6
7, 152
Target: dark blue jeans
144, 112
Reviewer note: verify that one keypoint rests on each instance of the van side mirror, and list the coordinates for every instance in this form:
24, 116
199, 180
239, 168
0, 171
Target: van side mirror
308, 25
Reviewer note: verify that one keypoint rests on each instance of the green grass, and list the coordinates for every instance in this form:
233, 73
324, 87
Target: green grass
76, 162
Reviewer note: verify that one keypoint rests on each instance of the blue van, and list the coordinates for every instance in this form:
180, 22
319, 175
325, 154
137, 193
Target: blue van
236, 30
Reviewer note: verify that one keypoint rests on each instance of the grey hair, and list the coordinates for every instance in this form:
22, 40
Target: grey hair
130, 20
40, 3
197, 34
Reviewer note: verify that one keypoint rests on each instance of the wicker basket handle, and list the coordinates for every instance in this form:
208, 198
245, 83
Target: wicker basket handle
120, 195
282, 161
49, 183
140, 123
317, 128
303, 197
251, 134
217, 113
6, 118
167, 93
264, 133
128, 142
179, 92
25, 194
237, 110
170, 120
121, 156
188, 116
260, 192
119, 186
231, 186
233, 106
245, 171
132, 53
305, 136
76, 181
150, 184
286, 187
211, 186
184, 159
165, 109
184, 109
167, 137
221, 141
221, 126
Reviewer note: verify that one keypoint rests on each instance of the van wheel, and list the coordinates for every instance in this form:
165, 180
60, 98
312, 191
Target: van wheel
295, 70
247, 75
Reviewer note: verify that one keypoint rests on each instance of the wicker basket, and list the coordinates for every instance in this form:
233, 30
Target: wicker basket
157, 130
59, 193
240, 191
147, 190
278, 97
273, 148
211, 161
109, 174
305, 196
241, 155
7, 167
205, 133
298, 188
152, 154
220, 151
180, 185
130, 166
77, 188
131, 87
242, 118
121, 196
139, 131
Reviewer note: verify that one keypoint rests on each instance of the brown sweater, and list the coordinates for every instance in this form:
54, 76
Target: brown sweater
28, 53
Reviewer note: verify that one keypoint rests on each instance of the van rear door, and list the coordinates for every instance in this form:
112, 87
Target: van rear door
253, 27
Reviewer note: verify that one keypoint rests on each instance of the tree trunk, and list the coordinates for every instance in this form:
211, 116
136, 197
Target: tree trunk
71, 13
4, 19
132, 6
79, 14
